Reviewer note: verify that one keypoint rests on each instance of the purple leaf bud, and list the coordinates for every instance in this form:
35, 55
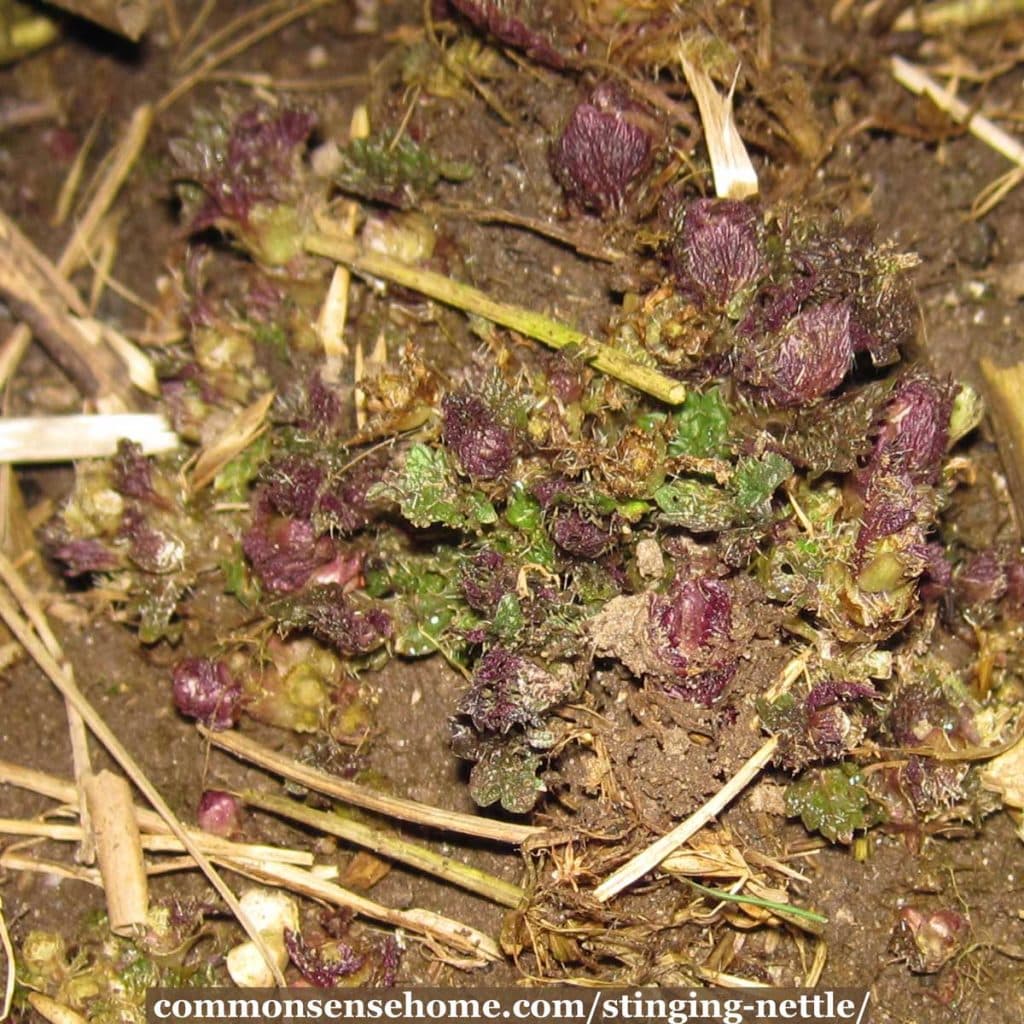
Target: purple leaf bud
929, 940
323, 966
982, 579
292, 485
285, 552
837, 691
205, 690
133, 472
696, 614
1015, 584
915, 432
889, 506
486, 579
502, 18
580, 537
219, 813
332, 616
717, 252
84, 556
472, 433
809, 358
600, 153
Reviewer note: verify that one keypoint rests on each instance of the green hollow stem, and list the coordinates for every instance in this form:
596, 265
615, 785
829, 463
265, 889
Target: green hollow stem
544, 329
389, 845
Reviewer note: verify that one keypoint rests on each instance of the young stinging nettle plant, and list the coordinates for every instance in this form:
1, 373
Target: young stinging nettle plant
540, 526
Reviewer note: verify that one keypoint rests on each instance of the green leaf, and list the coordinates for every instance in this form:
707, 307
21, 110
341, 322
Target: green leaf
523, 510
755, 479
508, 617
378, 168
428, 618
698, 506
231, 484
701, 426
506, 773
238, 581
832, 801
428, 493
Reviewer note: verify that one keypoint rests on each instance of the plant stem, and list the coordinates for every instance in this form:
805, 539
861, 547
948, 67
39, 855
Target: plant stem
392, 846
360, 796
550, 332
422, 922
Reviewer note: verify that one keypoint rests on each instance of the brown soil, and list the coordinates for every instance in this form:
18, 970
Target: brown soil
917, 188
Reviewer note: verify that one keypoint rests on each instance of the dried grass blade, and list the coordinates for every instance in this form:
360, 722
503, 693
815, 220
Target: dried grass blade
240, 433
387, 844
5, 941
64, 438
734, 174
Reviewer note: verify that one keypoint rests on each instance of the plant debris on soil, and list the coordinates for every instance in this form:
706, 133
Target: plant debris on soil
558, 466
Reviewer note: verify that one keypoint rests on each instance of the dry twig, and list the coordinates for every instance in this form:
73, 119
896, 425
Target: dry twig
654, 854
5, 941
352, 793
387, 844
120, 163
76, 726
919, 82
416, 920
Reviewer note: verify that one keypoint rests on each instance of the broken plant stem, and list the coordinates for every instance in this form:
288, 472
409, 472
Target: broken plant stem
118, 850
653, 855
550, 332
121, 161
12, 860
9, 968
67, 687
392, 846
370, 800
25, 439
421, 922
919, 82
163, 842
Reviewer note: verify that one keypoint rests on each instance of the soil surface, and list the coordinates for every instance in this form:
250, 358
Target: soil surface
905, 167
